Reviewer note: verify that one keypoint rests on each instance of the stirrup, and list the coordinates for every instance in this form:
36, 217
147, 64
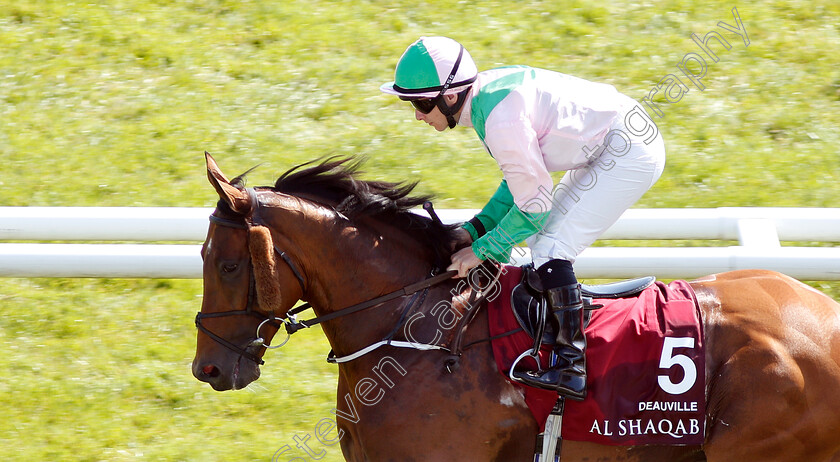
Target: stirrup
527, 353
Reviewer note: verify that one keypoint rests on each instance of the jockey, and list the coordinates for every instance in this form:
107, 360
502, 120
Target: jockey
533, 122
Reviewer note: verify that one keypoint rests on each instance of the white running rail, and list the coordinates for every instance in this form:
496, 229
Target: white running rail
759, 233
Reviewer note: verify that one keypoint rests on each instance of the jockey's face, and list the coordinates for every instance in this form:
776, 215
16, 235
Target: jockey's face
435, 118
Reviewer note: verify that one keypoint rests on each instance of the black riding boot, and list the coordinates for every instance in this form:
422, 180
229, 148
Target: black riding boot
568, 376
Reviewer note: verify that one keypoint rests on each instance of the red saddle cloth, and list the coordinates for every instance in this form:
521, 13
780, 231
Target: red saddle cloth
645, 364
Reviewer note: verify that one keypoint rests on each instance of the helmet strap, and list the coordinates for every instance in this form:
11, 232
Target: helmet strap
450, 111
441, 102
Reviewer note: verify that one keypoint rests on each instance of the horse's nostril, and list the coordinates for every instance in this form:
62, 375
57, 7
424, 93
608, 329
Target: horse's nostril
210, 371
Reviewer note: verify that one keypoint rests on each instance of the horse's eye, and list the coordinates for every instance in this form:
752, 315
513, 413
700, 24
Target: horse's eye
229, 267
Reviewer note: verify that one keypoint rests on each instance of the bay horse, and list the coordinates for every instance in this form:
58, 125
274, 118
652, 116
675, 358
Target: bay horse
324, 236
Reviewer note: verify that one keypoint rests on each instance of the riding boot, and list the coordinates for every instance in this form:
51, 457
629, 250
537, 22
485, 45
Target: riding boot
568, 376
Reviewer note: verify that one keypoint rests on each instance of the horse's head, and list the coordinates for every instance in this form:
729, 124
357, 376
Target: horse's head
319, 234
245, 287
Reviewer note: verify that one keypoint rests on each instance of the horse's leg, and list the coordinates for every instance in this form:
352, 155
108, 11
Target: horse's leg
351, 446
773, 369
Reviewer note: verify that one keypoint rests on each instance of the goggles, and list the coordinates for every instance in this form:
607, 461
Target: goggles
424, 105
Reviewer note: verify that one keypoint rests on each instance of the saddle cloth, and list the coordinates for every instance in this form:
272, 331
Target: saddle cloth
645, 363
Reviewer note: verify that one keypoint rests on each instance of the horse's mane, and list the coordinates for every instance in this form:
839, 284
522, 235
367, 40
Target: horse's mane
334, 182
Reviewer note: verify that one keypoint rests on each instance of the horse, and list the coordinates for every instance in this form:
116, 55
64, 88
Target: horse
324, 236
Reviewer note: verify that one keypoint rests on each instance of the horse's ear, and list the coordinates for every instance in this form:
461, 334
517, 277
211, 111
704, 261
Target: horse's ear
236, 198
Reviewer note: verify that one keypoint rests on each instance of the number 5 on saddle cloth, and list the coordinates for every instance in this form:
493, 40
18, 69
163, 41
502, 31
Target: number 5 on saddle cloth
645, 360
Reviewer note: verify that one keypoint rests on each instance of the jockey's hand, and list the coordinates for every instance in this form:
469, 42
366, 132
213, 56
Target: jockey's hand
462, 239
463, 261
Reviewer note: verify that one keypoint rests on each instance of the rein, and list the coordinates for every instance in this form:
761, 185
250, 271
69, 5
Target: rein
290, 323
293, 326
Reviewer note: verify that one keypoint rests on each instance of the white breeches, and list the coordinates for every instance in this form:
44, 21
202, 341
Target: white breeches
588, 200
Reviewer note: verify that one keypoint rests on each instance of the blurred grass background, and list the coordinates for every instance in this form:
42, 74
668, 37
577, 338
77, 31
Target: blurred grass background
113, 103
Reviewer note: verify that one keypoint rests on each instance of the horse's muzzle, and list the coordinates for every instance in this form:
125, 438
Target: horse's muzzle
233, 375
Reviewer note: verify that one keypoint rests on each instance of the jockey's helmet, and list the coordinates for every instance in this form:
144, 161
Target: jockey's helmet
431, 67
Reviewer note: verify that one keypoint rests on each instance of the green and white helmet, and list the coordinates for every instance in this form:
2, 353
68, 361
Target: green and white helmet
430, 67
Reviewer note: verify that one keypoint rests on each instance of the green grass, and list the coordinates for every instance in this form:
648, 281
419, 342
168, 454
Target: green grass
113, 104
105, 375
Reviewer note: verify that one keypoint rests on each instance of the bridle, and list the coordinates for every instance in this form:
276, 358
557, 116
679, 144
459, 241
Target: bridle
290, 322
246, 224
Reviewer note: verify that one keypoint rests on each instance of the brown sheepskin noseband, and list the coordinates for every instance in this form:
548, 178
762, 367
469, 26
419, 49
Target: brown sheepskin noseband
265, 268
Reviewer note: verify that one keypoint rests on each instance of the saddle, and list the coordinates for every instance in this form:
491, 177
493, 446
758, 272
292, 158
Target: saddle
526, 299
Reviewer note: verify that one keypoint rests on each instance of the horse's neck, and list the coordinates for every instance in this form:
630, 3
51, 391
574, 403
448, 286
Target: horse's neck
345, 263
374, 265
